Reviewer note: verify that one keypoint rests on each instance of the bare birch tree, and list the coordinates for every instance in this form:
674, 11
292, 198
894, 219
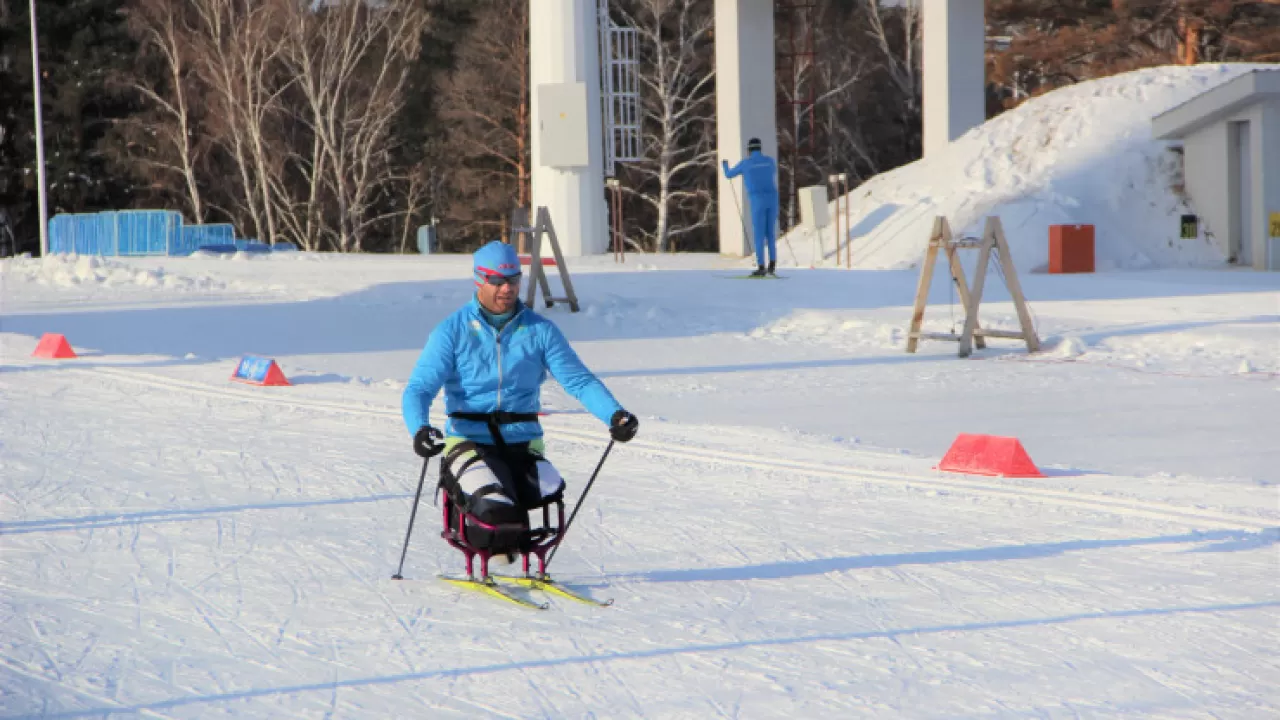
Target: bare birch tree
897, 34
236, 46
350, 61
164, 31
677, 106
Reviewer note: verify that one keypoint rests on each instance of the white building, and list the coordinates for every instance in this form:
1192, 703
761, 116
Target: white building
1231, 159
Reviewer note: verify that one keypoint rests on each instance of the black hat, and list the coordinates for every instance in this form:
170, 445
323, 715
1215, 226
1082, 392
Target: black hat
753, 144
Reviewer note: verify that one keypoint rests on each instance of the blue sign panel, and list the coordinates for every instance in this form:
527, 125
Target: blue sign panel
252, 368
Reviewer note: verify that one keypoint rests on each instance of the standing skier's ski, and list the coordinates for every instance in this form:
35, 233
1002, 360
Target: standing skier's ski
546, 584
492, 588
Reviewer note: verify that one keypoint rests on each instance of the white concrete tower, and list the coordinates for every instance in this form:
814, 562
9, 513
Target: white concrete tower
745, 106
954, 70
567, 159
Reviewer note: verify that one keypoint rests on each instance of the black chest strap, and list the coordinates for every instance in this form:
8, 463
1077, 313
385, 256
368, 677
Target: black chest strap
495, 421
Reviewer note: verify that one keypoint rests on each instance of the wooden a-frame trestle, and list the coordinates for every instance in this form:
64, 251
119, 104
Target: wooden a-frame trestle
992, 240
538, 275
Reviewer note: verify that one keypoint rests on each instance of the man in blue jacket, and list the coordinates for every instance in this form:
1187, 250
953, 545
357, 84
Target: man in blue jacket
491, 357
758, 173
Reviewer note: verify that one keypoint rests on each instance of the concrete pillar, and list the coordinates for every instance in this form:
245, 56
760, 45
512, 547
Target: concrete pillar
745, 105
954, 71
564, 47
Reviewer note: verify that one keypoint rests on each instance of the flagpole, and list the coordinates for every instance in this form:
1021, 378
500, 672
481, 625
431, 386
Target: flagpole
35, 86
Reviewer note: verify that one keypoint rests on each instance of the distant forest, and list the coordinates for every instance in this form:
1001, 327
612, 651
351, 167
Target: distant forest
345, 125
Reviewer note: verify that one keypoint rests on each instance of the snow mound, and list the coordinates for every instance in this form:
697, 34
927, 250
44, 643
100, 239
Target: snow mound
1070, 347
72, 270
1083, 154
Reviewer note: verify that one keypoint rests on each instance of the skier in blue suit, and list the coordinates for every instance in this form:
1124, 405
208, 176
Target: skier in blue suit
491, 357
758, 172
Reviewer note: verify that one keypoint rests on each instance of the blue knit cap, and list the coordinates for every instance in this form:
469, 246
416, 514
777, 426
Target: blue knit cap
495, 258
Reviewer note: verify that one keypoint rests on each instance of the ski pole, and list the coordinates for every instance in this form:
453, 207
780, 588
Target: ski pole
733, 190
787, 239
412, 513
574, 514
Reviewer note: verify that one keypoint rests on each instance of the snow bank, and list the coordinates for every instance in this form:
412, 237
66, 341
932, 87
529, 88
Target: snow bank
72, 271
1083, 154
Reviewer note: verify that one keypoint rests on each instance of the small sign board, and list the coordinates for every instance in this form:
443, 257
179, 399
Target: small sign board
257, 370
1274, 225
1190, 227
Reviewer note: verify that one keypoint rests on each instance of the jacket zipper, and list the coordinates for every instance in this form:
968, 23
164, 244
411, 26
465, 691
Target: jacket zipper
497, 339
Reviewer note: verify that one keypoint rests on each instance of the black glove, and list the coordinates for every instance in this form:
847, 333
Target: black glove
426, 442
623, 426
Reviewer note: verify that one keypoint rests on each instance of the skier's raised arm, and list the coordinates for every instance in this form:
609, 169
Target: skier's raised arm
567, 368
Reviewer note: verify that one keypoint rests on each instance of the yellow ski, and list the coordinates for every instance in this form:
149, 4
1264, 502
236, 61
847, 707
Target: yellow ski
492, 588
546, 584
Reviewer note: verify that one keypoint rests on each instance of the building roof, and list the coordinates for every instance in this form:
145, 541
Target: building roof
1212, 105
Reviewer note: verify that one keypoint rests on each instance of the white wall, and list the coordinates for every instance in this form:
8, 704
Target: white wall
1213, 178
745, 106
1267, 177
954, 71
564, 47
1264, 176
1210, 175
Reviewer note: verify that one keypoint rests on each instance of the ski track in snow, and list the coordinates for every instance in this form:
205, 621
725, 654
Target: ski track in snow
257, 584
1137, 508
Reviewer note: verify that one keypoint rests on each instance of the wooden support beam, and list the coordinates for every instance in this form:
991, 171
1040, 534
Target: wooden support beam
1006, 334
940, 234
996, 229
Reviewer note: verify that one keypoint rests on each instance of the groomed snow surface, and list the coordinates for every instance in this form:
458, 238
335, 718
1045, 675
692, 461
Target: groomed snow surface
778, 545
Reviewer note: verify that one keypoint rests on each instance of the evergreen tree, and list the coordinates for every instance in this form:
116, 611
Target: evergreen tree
83, 48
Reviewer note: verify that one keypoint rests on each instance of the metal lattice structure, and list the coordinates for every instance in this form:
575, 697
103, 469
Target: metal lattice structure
620, 91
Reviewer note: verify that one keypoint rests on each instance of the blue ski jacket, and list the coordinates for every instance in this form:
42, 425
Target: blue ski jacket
758, 171
484, 370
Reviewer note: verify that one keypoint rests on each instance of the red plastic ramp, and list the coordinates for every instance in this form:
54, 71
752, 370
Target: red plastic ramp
988, 455
53, 346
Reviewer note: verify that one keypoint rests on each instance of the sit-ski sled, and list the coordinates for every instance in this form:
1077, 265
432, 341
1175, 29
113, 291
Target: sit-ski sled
537, 542
462, 530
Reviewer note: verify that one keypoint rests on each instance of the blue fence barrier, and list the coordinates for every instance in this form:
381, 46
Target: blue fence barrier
195, 237
138, 232
148, 232
252, 246
83, 234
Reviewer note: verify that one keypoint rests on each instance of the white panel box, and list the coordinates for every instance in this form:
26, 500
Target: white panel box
813, 206
562, 125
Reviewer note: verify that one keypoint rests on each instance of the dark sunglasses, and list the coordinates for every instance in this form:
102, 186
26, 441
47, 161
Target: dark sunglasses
500, 280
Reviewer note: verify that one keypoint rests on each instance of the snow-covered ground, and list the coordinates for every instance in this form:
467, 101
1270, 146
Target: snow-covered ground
176, 545
1082, 154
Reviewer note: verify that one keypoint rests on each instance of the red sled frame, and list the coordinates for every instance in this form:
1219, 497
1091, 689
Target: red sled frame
544, 539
